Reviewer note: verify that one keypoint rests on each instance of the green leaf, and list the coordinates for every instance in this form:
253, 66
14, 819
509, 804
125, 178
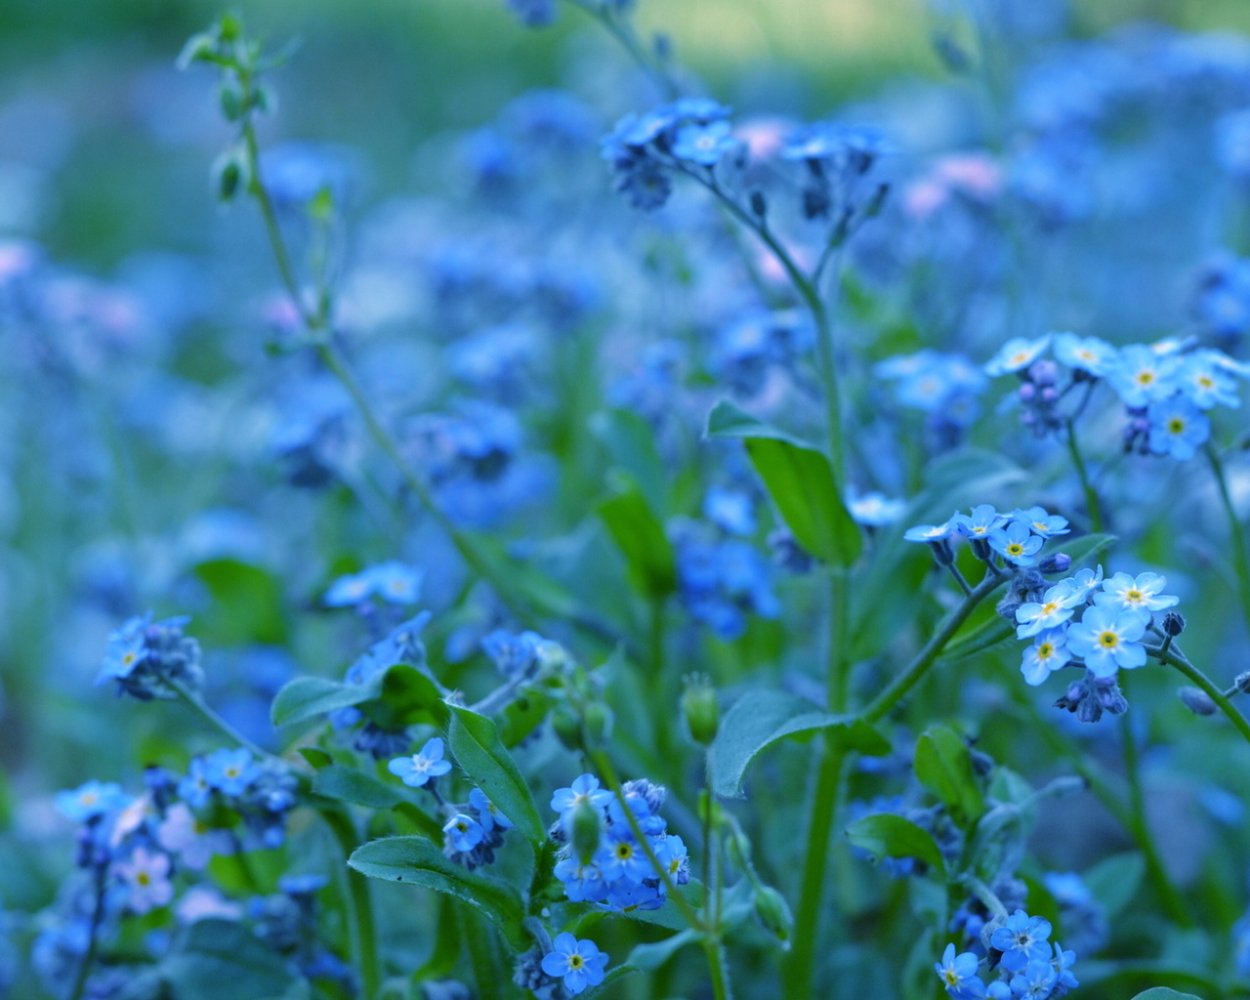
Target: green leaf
346, 784
307, 698
1163, 993
1114, 881
247, 604
523, 715
417, 861
888, 835
520, 584
944, 766
760, 719
213, 952
630, 443
475, 744
641, 539
800, 481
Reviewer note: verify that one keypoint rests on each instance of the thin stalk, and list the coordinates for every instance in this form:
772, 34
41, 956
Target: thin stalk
358, 902
1241, 557
216, 721
623, 33
93, 934
897, 689
1140, 829
1174, 658
1087, 487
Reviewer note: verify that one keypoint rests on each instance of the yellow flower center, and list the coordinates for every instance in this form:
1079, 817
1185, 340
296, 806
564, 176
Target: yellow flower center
1134, 596
575, 961
1145, 377
1109, 639
952, 977
1015, 549
624, 851
1045, 651
1176, 425
143, 878
1206, 381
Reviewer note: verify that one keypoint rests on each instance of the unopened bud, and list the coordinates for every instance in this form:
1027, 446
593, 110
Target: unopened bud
598, 720
567, 727
700, 709
1059, 562
1198, 702
587, 829
1173, 624
774, 913
759, 204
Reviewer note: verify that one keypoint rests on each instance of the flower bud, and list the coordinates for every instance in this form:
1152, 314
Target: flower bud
1059, 562
567, 727
700, 710
774, 913
1173, 624
1198, 702
587, 831
759, 204
1242, 682
598, 721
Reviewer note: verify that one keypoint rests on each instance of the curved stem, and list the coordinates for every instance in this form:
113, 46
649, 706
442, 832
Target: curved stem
217, 722
93, 934
358, 903
1173, 903
1241, 557
881, 705
1078, 463
1174, 658
623, 33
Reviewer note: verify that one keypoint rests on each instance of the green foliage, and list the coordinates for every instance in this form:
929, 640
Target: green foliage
475, 743
885, 835
800, 481
944, 766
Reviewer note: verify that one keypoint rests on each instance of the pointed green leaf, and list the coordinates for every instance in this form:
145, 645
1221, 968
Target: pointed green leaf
888, 835
417, 861
475, 744
944, 766
1163, 993
759, 719
800, 481
641, 539
307, 698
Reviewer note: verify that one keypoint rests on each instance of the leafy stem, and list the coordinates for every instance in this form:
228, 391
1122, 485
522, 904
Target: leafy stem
99, 887
1092, 504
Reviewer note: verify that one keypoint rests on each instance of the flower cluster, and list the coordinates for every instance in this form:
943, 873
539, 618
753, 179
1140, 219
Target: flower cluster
474, 831
392, 582
601, 860
568, 968
722, 580
1084, 620
152, 659
1018, 949
683, 136
1167, 388
1014, 539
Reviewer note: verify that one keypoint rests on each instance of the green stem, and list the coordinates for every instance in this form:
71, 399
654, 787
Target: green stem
210, 716
897, 689
93, 934
1174, 658
1091, 496
623, 33
1241, 556
1140, 829
800, 967
358, 904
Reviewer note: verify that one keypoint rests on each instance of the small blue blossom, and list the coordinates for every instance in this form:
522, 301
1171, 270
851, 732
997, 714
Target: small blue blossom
90, 801
1141, 376
1107, 639
875, 510
1141, 594
1178, 428
585, 788
463, 833
1042, 522
1022, 939
1090, 355
1047, 654
958, 973
1035, 982
1016, 543
1056, 607
229, 771
422, 767
577, 964
931, 532
1016, 355
488, 813
979, 522
706, 144
1206, 381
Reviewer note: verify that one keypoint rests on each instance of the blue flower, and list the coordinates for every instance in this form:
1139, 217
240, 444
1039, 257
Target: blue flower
1106, 639
1047, 654
1140, 376
1140, 594
422, 767
980, 522
730, 510
1042, 522
1206, 381
578, 964
463, 833
90, 800
931, 532
1178, 428
1062, 963
704, 144
585, 788
622, 857
958, 974
1016, 543
1085, 354
1056, 606
488, 813
875, 510
229, 771
1022, 939
1016, 355
126, 650
1035, 982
